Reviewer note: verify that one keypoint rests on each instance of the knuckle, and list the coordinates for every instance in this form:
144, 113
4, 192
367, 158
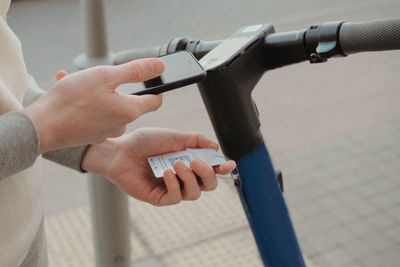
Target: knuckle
130, 115
196, 137
102, 72
136, 73
157, 103
199, 135
174, 187
118, 132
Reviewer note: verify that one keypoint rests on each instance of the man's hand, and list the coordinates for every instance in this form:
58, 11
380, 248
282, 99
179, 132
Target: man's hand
124, 161
84, 108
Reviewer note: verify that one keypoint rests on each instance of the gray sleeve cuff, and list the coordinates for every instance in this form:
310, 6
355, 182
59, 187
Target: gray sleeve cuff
68, 157
19, 143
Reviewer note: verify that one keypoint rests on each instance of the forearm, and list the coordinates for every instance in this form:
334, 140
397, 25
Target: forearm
19, 143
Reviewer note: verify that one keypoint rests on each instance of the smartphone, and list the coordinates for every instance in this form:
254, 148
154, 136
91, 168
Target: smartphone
181, 69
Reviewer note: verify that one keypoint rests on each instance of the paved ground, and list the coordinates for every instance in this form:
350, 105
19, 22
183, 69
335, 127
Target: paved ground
343, 195
332, 128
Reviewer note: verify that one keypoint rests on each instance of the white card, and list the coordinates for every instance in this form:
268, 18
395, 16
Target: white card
162, 162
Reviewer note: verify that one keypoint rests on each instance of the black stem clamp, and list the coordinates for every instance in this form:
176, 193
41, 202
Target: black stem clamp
322, 41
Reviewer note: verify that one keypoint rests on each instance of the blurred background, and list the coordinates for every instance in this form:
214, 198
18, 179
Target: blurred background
333, 129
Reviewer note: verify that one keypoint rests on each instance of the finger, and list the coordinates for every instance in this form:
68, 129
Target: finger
226, 167
198, 140
173, 195
206, 174
61, 74
136, 71
191, 189
139, 105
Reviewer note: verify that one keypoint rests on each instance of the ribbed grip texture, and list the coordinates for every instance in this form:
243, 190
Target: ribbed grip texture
370, 36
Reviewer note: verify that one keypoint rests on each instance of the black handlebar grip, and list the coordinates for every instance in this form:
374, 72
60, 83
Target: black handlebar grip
371, 36
129, 55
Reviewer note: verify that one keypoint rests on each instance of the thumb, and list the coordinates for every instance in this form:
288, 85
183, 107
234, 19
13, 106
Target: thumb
137, 71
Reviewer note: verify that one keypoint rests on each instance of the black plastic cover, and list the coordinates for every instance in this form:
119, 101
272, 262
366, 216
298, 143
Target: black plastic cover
233, 69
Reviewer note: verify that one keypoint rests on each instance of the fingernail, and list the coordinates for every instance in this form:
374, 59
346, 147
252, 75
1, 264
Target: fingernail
157, 66
197, 164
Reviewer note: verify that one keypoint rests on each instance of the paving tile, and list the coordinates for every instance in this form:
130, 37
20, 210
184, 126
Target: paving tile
381, 221
360, 227
348, 196
335, 184
299, 166
393, 233
362, 207
344, 214
386, 200
236, 249
69, 239
309, 209
336, 257
297, 195
368, 172
314, 191
320, 260
340, 235
319, 243
306, 228
328, 159
395, 213
368, 159
390, 258
379, 241
372, 188
327, 221
357, 249
173, 227
353, 264
330, 201
296, 214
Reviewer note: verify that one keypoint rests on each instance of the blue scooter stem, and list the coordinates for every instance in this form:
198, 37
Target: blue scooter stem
266, 210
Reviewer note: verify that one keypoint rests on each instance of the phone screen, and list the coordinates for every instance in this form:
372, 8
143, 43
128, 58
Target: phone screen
181, 69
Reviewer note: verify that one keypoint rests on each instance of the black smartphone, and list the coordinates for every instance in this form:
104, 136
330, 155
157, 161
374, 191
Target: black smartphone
181, 69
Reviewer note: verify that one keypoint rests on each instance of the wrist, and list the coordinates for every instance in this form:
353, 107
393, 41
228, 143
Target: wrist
43, 126
98, 157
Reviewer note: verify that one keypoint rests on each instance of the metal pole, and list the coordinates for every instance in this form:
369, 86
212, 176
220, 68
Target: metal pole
109, 205
110, 223
93, 18
95, 28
